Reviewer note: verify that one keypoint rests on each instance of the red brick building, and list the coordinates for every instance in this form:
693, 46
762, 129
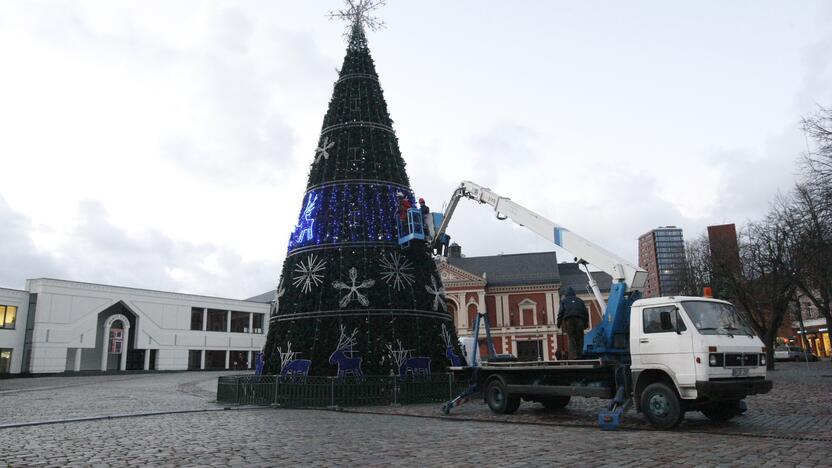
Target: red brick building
521, 296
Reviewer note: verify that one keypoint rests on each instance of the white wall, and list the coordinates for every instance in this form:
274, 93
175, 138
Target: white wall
67, 317
14, 339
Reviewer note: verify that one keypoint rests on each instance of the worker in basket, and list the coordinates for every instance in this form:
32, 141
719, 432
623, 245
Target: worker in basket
574, 319
427, 220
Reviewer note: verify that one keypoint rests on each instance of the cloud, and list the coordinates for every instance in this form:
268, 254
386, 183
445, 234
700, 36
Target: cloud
19, 257
98, 251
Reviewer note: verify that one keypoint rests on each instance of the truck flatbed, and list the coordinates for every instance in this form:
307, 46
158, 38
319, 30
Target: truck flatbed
551, 378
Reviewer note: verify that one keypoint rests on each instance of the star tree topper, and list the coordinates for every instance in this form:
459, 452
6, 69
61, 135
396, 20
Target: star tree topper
358, 12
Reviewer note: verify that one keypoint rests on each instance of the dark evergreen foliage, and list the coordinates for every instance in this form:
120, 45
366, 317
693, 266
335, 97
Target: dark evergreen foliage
347, 236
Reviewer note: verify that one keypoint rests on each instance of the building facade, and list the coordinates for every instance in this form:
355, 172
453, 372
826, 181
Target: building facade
813, 333
725, 256
520, 294
662, 253
66, 326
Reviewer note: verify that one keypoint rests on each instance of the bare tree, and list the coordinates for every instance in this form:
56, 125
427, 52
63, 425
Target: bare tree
696, 271
806, 218
817, 162
753, 272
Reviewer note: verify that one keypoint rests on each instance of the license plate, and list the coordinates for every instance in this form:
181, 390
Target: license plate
739, 372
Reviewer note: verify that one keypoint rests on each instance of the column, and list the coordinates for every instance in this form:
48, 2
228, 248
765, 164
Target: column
251, 324
227, 358
250, 355
77, 367
204, 319
147, 359
123, 364
105, 348
202, 360
227, 321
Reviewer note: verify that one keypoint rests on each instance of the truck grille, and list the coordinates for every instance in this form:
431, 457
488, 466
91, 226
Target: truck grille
740, 359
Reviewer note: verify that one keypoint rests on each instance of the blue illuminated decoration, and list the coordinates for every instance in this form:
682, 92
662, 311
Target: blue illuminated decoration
348, 213
306, 221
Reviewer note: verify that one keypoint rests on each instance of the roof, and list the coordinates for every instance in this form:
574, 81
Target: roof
573, 276
265, 298
513, 269
72, 283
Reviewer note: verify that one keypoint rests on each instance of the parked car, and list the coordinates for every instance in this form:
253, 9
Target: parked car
793, 353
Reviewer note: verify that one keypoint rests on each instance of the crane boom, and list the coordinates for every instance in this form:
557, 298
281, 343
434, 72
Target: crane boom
585, 252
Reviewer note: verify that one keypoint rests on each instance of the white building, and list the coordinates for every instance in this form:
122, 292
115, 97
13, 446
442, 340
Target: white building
57, 326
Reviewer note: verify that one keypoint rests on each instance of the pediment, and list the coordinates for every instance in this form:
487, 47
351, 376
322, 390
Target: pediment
451, 275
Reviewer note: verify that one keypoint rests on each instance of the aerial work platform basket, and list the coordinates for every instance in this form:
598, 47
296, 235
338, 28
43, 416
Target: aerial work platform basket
411, 229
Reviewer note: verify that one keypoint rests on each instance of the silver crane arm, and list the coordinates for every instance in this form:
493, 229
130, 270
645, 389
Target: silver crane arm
585, 252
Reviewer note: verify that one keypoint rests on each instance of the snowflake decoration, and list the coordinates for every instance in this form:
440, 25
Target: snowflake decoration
438, 292
309, 273
396, 269
322, 151
353, 288
278, 293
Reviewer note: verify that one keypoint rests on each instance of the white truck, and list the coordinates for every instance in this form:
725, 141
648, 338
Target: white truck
668, 355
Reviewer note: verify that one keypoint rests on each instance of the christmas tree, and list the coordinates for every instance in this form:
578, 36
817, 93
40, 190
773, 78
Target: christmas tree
346, 282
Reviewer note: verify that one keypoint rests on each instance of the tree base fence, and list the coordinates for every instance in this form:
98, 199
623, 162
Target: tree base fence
332, 392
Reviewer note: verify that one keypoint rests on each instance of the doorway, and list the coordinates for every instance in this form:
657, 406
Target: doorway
530, 350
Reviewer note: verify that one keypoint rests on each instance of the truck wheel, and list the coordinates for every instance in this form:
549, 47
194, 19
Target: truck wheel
661, 406
555, 402
721, 411
498, 398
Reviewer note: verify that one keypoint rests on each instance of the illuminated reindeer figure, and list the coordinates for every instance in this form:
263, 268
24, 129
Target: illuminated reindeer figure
292, 369
405, 365
449, 348
346, 365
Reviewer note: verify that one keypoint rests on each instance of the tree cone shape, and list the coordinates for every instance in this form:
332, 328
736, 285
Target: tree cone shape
344, 266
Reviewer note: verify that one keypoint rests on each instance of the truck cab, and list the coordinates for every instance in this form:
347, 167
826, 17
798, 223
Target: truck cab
693, 354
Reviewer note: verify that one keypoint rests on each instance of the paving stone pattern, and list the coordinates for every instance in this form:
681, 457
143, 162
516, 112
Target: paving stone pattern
798, 407
325, 438
52, 398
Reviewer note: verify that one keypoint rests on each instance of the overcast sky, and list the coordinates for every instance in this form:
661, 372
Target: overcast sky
166, 144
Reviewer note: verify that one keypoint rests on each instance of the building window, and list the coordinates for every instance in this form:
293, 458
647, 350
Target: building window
473, 315
527, 312
8, 315
196, 318
5, 360
195, 359
239, 322
217, 320
257, 323
238, 360
214, 360
355, 104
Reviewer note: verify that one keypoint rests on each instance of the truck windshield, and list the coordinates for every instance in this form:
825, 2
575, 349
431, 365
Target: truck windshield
716, 318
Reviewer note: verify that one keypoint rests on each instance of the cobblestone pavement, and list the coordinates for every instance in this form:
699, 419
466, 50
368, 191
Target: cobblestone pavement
269, 437
52, 398
788, 427
800, 405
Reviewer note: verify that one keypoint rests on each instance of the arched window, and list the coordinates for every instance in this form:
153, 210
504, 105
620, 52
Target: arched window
472, 315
